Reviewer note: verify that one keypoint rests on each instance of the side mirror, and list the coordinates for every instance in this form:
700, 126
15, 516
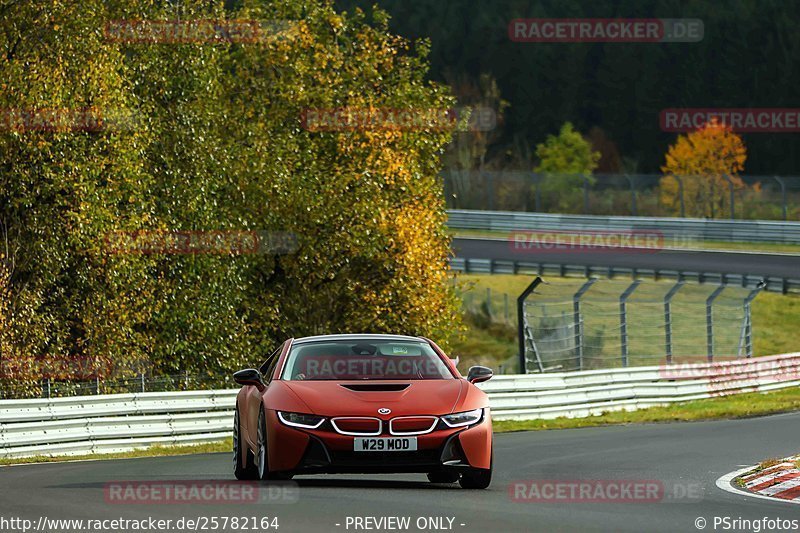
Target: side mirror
249, 376
477, 374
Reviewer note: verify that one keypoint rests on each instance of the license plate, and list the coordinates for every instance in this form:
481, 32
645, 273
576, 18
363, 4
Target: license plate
385, 444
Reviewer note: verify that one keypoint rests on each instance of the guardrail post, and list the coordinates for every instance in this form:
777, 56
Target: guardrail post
668, 318
523, 364
710, 321
578, 321
783, 195
623, 319
142, 378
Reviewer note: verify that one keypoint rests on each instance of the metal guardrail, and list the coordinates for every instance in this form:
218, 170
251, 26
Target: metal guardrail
109, 423
760, 231
592, 392
503, 266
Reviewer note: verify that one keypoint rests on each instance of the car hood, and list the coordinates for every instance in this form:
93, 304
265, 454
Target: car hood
418, 397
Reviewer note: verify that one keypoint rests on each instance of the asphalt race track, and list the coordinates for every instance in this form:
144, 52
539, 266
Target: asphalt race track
676, 455
779, 265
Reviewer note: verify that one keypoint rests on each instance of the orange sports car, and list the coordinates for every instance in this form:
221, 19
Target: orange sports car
362, 404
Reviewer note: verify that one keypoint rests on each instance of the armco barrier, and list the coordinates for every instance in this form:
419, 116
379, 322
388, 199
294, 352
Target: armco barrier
699, 229
109, 423
501, 266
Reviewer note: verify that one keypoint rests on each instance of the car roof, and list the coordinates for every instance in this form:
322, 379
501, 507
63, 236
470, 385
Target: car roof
358, 337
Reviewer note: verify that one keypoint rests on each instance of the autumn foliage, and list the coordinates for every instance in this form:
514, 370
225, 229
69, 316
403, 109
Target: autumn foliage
707, 162
214, 143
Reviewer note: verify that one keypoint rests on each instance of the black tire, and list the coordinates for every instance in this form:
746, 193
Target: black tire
247, 470
262, 453
442, 477
476, 478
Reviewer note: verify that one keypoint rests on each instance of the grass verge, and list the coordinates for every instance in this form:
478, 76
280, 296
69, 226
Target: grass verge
774, 315
728, 407
153, 451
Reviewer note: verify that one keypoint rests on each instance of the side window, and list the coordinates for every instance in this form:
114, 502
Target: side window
268, 368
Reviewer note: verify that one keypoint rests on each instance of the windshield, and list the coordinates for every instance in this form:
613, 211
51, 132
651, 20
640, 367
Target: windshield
364, 359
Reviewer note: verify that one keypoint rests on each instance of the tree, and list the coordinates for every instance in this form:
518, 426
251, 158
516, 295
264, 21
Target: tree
217, 144
704, 161
566, 162
65, 183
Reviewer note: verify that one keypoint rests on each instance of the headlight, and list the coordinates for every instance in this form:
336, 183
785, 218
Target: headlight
467, 418
300, 420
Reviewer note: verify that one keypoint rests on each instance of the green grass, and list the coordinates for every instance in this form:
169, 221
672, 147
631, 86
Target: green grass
153, 451
763, 465
728, 407
774, 318
692, 245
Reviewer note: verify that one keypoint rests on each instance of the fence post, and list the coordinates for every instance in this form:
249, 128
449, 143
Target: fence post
142, 378
668, 318
578, 322
748, 319
710, 321
680, 193
733, 196
490, 188
585, 195
623, 319
783, 195
632, 182
523, 364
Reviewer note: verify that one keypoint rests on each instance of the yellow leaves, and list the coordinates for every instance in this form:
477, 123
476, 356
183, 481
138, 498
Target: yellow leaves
703, 162
712, 150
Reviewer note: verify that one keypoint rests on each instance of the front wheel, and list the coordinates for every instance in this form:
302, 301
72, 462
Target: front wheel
262, 453
476, 478
241, 469
442, 477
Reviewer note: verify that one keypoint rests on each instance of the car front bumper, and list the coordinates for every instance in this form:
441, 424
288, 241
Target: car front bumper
310, 451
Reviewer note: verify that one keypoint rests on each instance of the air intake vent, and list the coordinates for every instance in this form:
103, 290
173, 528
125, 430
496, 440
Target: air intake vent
377, 387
